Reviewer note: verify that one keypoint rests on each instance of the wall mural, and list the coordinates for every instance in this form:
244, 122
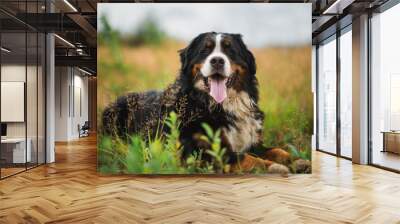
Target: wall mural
204, 88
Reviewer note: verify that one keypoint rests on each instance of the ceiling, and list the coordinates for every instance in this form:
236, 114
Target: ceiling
332, 15
76, 22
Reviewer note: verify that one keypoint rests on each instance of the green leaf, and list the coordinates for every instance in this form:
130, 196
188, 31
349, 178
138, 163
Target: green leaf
208, 130
293, 151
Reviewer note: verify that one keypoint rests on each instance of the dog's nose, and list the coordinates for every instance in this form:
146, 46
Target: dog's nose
217, 62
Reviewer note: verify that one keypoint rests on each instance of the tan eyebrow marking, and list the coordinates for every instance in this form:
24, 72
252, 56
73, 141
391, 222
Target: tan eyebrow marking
209, 43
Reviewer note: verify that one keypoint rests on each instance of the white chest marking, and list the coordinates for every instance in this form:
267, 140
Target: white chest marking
246, 132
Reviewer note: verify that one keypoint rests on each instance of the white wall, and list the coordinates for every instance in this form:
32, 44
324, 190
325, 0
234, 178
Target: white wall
15, 73
80, 100
62, 81
33, 126
71, 87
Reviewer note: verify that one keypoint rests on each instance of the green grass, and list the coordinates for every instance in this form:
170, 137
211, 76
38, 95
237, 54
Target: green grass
159, 154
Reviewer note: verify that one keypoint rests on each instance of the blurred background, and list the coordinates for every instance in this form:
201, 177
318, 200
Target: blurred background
138, 50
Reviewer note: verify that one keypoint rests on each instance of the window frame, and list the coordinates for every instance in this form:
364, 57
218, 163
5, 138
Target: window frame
333, 37
26, 30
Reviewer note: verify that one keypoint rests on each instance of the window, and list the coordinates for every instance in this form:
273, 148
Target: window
334, 106
394, 102
22, 77
385, 89
327, 96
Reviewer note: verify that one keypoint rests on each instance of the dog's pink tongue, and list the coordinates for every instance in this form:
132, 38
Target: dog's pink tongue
218, 90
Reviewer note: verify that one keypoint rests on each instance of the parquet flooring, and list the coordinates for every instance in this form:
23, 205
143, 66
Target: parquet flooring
11, 170
70, 191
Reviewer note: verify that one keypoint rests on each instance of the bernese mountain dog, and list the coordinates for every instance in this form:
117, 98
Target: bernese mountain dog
217, 85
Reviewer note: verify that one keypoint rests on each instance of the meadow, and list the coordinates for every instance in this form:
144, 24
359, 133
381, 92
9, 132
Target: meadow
137, 63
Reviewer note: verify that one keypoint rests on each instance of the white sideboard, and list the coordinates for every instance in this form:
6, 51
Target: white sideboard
18, 148
391, 142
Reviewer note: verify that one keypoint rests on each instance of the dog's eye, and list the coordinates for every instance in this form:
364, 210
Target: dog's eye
226, 44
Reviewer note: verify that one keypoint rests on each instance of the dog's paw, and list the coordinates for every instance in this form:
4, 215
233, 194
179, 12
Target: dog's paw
302, 166
278, 155
278, 169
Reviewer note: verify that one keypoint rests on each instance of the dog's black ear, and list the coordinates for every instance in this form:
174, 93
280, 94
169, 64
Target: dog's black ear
187, 54
183, 54
246, 54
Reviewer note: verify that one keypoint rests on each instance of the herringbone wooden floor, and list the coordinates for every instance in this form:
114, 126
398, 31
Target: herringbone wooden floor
70, 191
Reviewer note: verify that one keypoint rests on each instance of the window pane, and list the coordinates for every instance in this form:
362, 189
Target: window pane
386, 89
14, 153
31, 97
346, 94
41, 98
327, 97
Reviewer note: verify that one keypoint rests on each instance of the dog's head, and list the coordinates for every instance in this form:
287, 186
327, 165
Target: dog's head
215, 62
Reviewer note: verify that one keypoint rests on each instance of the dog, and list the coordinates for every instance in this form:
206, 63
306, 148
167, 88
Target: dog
217, 85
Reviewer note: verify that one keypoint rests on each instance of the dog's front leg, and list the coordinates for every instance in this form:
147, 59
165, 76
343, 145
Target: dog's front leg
281, 156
